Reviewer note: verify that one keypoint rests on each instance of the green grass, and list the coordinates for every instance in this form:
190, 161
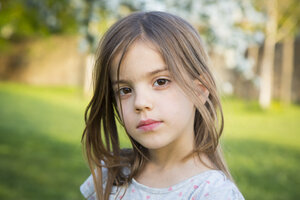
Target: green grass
41, 156
40, 131
262, 149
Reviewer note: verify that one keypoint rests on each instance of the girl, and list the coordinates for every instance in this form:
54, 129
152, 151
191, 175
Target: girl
152, 75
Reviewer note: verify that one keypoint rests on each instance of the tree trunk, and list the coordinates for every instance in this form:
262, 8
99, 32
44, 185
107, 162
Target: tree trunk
267, 68
253, 53
287, 70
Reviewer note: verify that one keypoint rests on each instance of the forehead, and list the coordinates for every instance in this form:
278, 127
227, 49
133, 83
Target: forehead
141, 58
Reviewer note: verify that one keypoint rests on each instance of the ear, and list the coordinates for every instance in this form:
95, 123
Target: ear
203, 93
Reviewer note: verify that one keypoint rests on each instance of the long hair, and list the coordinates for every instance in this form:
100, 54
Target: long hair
183, 52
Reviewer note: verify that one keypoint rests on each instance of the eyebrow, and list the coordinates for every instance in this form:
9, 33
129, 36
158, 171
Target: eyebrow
147, 75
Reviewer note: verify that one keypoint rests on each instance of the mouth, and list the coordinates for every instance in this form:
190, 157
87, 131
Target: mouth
148, 125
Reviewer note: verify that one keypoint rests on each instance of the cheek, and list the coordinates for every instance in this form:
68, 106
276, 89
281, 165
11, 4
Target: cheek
178, 109
177, 103
126, 115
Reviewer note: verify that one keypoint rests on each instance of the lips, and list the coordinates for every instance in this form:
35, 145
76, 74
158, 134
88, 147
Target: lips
148, 125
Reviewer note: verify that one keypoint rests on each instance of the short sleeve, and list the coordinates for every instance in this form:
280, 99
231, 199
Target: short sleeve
218, 187
226, 193
87, 189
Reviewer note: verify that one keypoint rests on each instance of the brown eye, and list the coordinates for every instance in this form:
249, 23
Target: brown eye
124, 91
161, 82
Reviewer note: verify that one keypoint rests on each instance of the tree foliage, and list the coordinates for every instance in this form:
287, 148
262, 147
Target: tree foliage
226, 25
25, 18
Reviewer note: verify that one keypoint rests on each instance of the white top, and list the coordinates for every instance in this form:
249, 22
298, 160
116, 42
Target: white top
208, 185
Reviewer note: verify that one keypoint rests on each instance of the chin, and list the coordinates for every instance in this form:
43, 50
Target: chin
154, 145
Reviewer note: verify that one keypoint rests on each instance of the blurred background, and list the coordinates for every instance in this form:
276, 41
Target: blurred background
46, 58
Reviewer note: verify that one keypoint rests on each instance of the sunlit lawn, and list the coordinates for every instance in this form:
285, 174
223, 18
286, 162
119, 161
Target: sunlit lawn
263, 150
41, 156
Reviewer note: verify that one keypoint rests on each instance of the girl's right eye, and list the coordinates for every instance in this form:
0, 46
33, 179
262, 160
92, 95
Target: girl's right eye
124, 91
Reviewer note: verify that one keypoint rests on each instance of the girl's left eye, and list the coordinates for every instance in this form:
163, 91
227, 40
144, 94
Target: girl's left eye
161, 82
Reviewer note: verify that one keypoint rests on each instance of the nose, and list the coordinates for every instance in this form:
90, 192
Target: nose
143, 100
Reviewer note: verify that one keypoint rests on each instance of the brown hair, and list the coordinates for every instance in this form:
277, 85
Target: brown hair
182, 50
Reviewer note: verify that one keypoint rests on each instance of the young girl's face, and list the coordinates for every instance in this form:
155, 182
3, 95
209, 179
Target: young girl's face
156, 112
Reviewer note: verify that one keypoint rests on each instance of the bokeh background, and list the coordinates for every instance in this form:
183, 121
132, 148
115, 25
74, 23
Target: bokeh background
46, 58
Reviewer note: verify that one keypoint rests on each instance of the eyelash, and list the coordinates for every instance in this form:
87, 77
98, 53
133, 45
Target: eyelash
167, 81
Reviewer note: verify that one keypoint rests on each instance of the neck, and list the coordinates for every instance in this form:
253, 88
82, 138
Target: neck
172, 154
169, 164
167, 157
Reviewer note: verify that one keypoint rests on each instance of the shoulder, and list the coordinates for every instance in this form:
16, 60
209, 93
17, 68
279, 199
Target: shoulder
87, 188
216, 186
